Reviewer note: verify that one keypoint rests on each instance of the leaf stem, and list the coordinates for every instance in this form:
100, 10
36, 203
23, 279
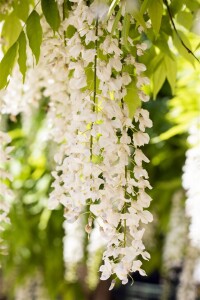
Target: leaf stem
95, 85
125, 169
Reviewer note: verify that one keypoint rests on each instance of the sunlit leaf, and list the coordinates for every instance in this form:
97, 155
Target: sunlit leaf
155, 12
180, 47
11, 30
112, 7
116, 22
22, 54
125, 30
6, 65
144, 6
21, 9
159, 77
175, 6
171, 71
171, 132
132, 99
162, 44
185, 18
34, 33
139, 18
51, 13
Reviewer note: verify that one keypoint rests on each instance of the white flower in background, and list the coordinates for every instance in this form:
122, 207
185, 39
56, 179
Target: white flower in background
73, 247
190, 180
187, 289
95, 248
196, 273
191, 175
176, 239
32, 288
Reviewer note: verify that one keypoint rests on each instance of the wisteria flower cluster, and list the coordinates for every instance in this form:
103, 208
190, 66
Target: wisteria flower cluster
98, 141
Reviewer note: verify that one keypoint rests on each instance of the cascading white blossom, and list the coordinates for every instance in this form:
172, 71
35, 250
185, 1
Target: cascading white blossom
92, 174
73, 247
54, 60
191, 175
187, 289
32, 288
196, 273
176, 238
95, 249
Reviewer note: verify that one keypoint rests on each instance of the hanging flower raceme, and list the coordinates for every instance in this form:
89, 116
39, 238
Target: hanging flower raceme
73, 247
191, 177
176, 239
100, 164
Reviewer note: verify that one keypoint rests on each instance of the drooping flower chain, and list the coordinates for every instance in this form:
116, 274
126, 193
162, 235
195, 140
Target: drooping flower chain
92, 172
191, 175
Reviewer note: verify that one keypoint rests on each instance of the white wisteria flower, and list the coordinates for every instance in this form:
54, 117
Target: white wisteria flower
89, 120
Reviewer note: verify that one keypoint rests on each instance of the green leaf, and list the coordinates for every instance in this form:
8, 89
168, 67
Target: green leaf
90, 77
185, 19
66, 9
22, 54
11, 30
197, 47
155, 13
175, 7
125, 30
112, 7
97, 159
21, 9
162, 44
6, 65
132, 99
171, 71
154, 62
159, 76
144, 6
70, 31
139, 18
2, 16
34, 33
51, 13
193, 5
181, 49
178, 129
116, 22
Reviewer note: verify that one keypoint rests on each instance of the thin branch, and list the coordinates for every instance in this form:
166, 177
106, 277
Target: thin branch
176, 31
